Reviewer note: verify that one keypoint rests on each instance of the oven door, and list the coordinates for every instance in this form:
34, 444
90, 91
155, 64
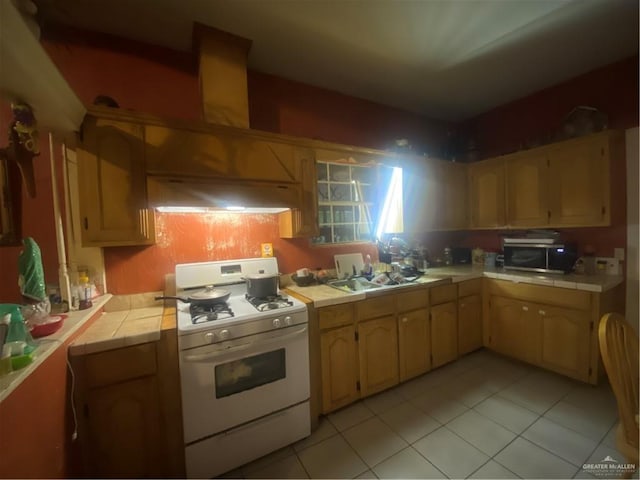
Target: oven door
227, 384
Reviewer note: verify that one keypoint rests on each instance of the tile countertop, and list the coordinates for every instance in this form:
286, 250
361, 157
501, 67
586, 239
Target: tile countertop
127, 320
47, 345
323, 295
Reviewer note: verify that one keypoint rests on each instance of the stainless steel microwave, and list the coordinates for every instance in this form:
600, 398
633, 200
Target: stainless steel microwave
539, 257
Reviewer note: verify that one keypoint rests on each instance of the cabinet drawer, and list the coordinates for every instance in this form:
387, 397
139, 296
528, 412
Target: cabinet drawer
556, 296
443, 294
114, 366
469, 287
375, 307
335, 316
414, 300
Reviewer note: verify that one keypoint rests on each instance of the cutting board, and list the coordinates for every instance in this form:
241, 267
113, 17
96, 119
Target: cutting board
348, 264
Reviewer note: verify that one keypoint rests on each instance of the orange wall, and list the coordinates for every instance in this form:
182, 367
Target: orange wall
37, 219
36, 422
184, 238
612, 89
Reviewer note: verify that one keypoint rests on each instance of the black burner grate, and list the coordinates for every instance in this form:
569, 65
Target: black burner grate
269, 303
209, 312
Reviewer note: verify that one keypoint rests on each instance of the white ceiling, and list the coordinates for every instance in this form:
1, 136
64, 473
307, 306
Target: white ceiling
448, 59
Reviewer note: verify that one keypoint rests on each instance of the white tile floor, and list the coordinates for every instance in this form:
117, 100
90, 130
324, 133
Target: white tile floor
483, 416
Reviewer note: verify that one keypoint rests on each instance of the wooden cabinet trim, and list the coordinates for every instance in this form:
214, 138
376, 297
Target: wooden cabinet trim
376, 307
413, 300
443, 293
335, 316
561, 297
470, 287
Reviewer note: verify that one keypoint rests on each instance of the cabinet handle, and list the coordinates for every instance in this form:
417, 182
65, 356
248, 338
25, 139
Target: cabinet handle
525, 308
405, 319
462, 305
542, 312
86, 223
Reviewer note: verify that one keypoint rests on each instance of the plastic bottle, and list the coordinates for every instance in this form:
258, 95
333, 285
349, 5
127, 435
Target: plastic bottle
448, 258
84, 292
368, 267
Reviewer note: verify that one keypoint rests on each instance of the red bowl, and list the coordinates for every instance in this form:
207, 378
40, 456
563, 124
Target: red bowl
53, 325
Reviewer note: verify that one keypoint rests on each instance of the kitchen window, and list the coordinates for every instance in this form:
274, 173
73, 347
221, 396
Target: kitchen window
357, 203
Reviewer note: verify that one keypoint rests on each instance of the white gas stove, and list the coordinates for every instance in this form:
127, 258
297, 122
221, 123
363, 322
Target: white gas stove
244, 367
240, 315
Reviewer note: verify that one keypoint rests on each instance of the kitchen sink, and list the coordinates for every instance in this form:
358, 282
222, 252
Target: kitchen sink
356, 284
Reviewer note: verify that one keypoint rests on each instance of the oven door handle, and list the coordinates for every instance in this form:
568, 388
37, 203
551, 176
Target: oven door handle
202, 357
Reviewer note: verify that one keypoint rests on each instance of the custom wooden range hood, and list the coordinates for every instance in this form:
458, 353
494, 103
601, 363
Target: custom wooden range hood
222, 163
223, 76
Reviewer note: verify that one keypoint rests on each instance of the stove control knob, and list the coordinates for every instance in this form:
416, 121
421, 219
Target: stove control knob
224, 334
209, 337
287, 320
276, 323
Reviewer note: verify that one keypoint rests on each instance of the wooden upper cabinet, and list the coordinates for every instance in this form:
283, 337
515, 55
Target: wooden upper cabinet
454, 206
579, 182
303, 221
527, 189
487, 193
436, 195
111, 175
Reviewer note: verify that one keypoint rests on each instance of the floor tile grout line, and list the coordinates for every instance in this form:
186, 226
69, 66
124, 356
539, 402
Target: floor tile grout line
357, 454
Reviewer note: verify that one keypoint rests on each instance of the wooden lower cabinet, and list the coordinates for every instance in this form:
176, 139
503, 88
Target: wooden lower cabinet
124, 429
565, 341
378, 354
444, 333
414, 343
339, 366
129, 412
469, 324
559, 334
515, 329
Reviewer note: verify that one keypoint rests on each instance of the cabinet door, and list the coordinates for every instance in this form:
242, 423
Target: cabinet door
124, 429
527, 190
303, 221
469, 324
378, 348
486, 194
339, 364
453, 199
566, 337
515, 329
414, 343
579, 183
112, 186
444, 333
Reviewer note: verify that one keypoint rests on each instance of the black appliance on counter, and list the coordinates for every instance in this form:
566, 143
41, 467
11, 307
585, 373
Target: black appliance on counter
461, 256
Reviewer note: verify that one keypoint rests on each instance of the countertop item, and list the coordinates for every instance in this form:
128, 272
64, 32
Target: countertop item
348, 264
47, 346
322, 295
53, 324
